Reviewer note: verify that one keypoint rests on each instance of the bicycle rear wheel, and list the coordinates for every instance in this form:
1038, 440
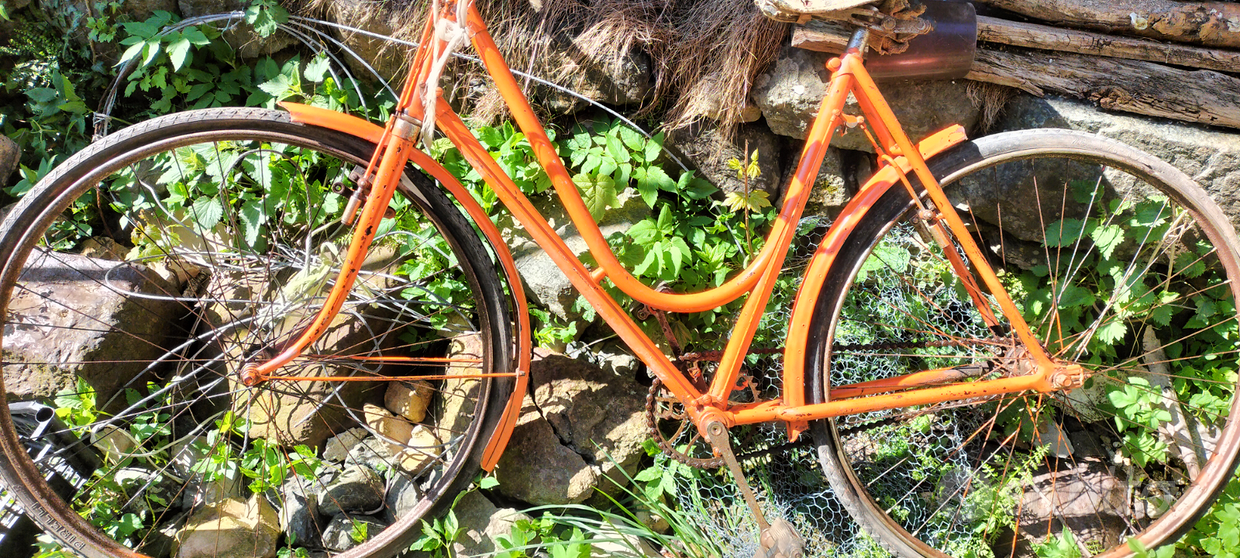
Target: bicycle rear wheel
1119, 263
142, 274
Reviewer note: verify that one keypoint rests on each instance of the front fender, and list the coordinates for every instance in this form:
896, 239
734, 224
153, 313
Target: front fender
369, 131
824, 257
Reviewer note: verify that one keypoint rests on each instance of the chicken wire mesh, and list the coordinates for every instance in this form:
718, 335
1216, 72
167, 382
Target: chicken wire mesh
905, 455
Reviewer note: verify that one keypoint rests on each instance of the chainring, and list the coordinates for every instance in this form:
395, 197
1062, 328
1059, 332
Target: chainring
664, 410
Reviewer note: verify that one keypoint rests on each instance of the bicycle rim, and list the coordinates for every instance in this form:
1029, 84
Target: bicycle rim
149, 268
1119, 263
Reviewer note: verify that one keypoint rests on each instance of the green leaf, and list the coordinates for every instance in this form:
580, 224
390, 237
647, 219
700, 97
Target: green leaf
316, 69
279, 87
644, 232
680, 253
178, 52
252, 219
206, 213
648, 190
132, 52
1190, 265
265, 17
1073, 295
1107, 239
666, 222
616, 149
1111, 332
598, 192
1162, 314
654, 178
489, 137
654, 148
1065, 232
694, 188
753, 202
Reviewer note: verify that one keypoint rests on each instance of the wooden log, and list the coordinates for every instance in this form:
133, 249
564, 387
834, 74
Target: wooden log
1204, 23
821, 36
832, 37
1029, 35
1133, 86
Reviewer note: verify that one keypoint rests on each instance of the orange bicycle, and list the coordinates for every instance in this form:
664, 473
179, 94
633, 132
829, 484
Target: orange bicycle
999, 342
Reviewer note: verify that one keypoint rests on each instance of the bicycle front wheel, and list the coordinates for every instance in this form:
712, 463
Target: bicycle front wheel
145, 272
1119, 263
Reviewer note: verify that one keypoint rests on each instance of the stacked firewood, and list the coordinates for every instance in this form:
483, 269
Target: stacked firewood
1166, 58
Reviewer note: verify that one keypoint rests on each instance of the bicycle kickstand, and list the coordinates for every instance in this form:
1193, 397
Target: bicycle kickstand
775, 540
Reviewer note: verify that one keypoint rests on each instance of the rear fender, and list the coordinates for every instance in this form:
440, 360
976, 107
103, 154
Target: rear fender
820, 264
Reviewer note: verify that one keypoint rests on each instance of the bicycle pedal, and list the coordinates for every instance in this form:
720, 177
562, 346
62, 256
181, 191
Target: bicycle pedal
780, 540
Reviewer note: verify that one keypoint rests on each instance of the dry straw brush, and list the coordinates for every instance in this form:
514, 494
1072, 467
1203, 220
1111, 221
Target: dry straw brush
704, 54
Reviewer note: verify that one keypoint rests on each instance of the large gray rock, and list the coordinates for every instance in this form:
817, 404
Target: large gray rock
704, 148
482, 522
160, 541
299, 511
79, 318
537, 468
791, 91
356, 489
232, 528
831, 185
577, 426
10, 157
402, 496
545, 284
1083, 496
345, 532
1211, 157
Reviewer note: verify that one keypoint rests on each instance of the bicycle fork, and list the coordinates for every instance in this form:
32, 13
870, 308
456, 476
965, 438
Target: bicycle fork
377, 194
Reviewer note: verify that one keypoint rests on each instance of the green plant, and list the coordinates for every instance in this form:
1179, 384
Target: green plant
1063, 546
123, 512
359, 532
692, 242
747, 201
439, 534
1188, 302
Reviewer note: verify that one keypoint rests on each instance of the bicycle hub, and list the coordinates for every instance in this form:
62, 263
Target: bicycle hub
249, 375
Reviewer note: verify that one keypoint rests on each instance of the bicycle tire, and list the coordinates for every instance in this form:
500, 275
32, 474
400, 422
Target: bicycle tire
174, 421
1088, 272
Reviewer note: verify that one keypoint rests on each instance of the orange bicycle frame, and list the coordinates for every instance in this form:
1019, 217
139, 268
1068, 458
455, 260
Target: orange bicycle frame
901, 158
